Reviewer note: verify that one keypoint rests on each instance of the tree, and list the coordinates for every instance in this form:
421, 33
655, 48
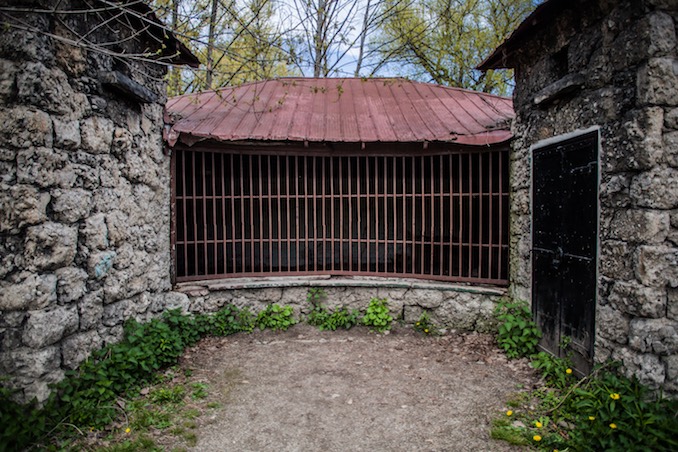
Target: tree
443, 40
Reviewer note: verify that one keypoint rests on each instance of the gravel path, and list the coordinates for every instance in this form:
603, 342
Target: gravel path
305, 390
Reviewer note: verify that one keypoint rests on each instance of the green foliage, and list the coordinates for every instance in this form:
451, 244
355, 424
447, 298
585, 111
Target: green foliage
87, 397
199, 390
168, 395
556, 371
276, 317
604, 411
377, 316
322, 318
518, 335
424, 325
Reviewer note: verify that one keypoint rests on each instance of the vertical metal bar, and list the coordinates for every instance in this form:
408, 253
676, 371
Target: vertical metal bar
359, 217
441, 244
278, 177
322, 202
260, 220
296, 210
501, 212
414, 216
204, 212
251, 219
342, 190
195, 218
242, 213
367, 200
306, 174
452, 245
270, 217
461, 213
423, 216
470, 213
491, 219
433, 211
395, 216
287, 201
350, 214
404, 214
235, 261
480, 215
315, 217
332, 229
223, 209
214, 216
185, 219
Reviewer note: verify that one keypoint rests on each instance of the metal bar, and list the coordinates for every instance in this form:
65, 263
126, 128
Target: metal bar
183, 175
214, 217
315, 217
480, 215
501, 212
306, 259
270, 217
223, 210
358, 206
322, 203
278, 177
470, 214
261, 216
442, 214
350, 217
287, 201
296, 210
433, 216
461, 214
404, 214
423, 217
242, 213
332, 203
342, 189
491, 215
367, 201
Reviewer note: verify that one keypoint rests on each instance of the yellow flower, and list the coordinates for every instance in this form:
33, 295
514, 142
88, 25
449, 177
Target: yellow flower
614, 396
426, 330
613, 426
568, 371
418, 324
509, 413
127, 430
536, 438
592, 418
538, 424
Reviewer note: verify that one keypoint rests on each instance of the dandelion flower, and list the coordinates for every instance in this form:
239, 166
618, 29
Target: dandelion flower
568, 371
418, 323
592, 418
127, 430
538, 424
536, 438
426, 330
614, 396
613, 426
509, 413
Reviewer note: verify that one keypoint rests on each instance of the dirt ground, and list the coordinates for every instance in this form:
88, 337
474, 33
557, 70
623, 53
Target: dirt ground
306, 390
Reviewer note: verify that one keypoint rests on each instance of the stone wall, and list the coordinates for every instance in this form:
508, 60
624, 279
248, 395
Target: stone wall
84, 200
450, 306
624, 53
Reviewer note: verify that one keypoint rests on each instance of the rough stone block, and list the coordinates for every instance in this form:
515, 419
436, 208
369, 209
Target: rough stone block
49, 89
643, 146
26, 362
8, 70
22, 127
22, 205
45, 167
77, 347
41, 389
67, 133
91, 310
97, 134
616, 260
99, 265
95, 232
612, 324
32, 291
657, 266
637, 300
123, 141
424, 298
640, 226
50, 246
657, 82
647, 368
656, 336
48, 327
71, 284
116, 313
671, 149
672, 304
657, 188
671, 119
671, 363
71, 205
614, 190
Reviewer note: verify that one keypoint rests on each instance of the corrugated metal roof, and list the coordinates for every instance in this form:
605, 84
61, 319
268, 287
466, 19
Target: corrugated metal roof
340, 110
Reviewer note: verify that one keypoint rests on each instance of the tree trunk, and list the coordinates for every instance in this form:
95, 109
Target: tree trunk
211, 37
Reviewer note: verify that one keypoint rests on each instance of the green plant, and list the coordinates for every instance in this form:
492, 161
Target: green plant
168, 395
377, 315
276, 317
424, 325
603, 411
199, 390
518, 335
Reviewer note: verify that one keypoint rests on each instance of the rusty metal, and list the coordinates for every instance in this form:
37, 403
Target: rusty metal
308, 110
280, 226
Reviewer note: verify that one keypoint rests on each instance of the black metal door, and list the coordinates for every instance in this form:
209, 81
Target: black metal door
564, 241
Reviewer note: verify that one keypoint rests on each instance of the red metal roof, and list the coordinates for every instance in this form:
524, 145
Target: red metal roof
340, 110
